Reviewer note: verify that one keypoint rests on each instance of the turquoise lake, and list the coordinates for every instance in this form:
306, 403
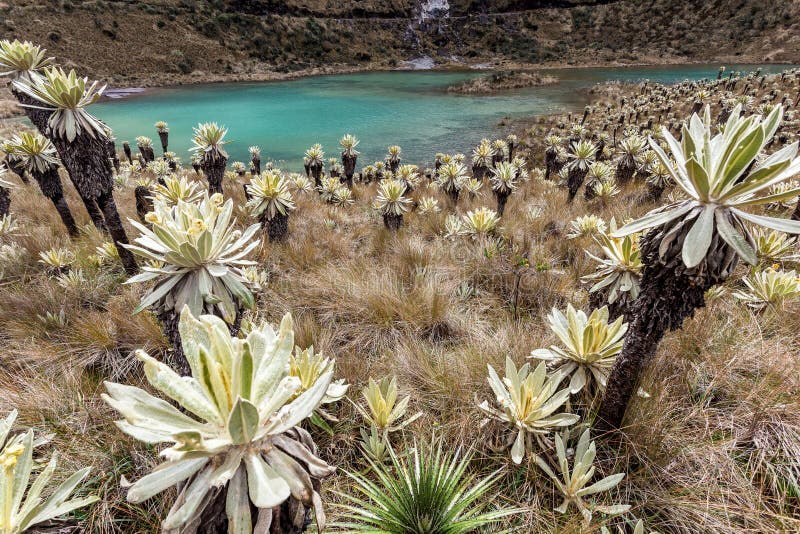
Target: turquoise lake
409, 108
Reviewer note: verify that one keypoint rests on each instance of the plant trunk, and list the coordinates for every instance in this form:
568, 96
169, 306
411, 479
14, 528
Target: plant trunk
624, 172
15, 166
88, 179
95, 214
316, 172
255, 163
654, 192
50, 184
5, 201
510, 152
349, 164
291, 517
669, 294
277, 227
502, 198
214, 169
128, 154
392, 221
144, 204
106, 203
111, 147
453, 194
575, 181
164, 137
479, 171
86, 160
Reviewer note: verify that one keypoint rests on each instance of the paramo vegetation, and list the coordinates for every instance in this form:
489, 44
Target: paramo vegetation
588, 325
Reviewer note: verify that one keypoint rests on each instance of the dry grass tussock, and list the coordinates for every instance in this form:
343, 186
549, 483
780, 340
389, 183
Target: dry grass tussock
714, 448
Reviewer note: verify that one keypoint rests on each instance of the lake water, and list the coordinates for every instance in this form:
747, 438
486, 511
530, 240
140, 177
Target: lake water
409, 108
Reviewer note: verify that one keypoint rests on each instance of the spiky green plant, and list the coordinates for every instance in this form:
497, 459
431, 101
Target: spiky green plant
528, 401
503, 181
696, 243
392, 203
383, 410
22, 60
589, 346
35, 154
429, 205
481, 222
196, 259
619, 271
769, 288
630, 149
68, 96
349, 142
581, 156
201, 253
575, 484
430, 493
599, 173
33, 151
409, 175
774, 247
24, 504
586, 225
234, 433
208, 143
271, 201
175, 189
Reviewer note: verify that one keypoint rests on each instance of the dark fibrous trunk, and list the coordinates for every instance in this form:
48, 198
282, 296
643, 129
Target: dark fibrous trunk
255, 163
316, 171
15, 166
502, 198
50, 184
5, 201
551, 163
111, 146
625, 171
106, 203
147, 154
164, 138
349, 164
392, 221
453, 194
66, 215
128, 154
479, 171
510, 152
588, 191
669, 294
277, 227
86, 160
214, 169
144, 204
575, 181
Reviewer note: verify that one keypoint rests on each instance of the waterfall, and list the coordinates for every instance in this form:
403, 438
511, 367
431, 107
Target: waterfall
432, 9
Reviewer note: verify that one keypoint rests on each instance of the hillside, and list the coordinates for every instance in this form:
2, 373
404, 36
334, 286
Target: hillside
177, 41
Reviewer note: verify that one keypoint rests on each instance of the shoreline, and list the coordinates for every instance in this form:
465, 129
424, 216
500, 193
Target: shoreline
155, 82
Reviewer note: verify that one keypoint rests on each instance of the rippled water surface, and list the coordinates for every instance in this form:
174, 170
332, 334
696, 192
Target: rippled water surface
408, 108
